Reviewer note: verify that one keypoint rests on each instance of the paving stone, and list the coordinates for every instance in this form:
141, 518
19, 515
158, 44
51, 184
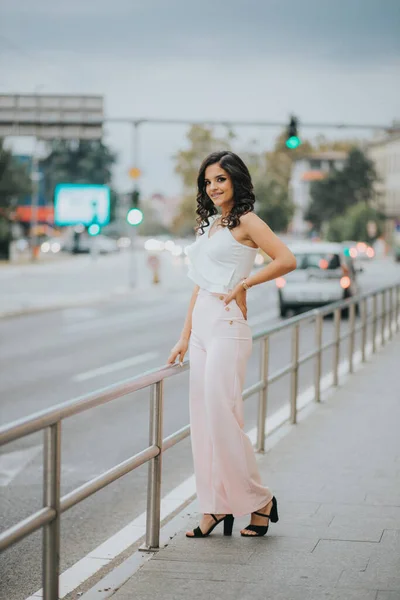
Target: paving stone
282, 572
347, 554
267, 592
388, 595
389, 514
154, 587
385, 580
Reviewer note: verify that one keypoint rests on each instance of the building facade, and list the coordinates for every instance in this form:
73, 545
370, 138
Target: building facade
386, 155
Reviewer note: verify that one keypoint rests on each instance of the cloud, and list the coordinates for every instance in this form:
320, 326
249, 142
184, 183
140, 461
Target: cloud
240, 30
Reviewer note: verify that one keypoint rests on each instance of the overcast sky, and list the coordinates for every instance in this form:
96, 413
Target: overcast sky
324, 61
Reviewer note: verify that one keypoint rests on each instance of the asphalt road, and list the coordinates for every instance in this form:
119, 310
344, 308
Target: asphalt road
52, 357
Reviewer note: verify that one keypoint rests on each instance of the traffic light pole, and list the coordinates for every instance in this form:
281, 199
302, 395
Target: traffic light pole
133, 270
35, 177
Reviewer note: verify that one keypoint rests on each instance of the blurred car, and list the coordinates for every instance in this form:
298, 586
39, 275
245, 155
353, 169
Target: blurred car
396, 244
324, 274
51, 246
84, 244
359, 250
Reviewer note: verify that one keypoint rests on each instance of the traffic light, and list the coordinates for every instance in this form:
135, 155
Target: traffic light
94, 229
134, 216
292, 139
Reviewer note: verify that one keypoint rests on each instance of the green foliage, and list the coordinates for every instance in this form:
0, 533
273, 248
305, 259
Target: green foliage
340, 190
273, 204
14, 179
14, 182
353, 224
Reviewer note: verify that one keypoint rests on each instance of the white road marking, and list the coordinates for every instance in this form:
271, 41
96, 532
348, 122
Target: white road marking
117, 366
126, 318
80, 314
108, 550
12, 463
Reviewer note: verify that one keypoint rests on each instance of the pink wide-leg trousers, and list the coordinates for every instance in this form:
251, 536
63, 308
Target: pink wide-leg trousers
227, 477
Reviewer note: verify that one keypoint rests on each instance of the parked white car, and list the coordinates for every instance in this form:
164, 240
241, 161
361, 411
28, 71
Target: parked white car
324, 274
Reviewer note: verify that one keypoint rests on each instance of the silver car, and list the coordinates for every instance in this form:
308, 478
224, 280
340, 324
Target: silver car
324, 274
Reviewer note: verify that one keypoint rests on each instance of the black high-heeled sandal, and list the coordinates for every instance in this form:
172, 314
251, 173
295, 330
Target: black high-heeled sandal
228, 526
261, 530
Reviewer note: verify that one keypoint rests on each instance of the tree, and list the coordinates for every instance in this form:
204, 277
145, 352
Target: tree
202, 141
353, 225
273, 204
83, 161
14, 182
342, 189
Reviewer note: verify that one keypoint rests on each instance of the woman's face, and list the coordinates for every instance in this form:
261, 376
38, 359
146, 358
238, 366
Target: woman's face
219, 186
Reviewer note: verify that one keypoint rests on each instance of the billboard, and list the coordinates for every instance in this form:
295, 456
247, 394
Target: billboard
48, 117
76, 203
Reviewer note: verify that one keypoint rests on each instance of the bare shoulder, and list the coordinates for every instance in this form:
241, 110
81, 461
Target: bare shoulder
250, 219
253, 225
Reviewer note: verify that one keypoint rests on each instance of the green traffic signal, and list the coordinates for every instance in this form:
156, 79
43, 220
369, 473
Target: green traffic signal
94, 229
293, 142
292, 139
134, 216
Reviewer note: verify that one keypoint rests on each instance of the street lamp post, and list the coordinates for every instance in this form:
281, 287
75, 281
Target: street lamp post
134, 216
35, 178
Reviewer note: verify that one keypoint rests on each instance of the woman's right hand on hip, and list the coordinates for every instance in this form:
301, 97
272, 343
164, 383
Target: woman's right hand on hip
179, 350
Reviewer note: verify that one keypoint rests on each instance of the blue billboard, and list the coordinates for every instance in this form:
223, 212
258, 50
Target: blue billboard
86, 204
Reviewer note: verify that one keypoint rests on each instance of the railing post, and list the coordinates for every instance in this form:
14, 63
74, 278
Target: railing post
263, 395
318, 358
374, 318
383, 318
154, 473
294, 382
51, 498
352, 316
363, 328
336, 348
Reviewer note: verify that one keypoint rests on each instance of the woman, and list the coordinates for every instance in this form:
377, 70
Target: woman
221, 259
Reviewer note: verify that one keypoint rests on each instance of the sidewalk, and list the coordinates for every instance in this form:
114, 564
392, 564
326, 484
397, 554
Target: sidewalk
336, 476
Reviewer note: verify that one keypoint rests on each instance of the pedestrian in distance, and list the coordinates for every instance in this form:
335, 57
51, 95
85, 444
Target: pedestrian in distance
219, 338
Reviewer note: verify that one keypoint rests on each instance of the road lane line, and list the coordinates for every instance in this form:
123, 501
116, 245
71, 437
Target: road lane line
117, 366
76, 575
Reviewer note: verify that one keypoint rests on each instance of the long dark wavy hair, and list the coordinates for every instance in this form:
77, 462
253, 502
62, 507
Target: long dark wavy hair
243, 195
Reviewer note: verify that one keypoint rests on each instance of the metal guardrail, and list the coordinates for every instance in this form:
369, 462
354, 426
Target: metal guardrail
50, 421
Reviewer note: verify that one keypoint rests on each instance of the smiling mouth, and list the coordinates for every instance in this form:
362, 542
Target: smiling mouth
216, 195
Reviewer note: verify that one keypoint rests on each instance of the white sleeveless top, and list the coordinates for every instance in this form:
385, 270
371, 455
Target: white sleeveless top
219, 262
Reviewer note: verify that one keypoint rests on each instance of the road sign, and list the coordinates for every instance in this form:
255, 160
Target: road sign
81, 204
135, 173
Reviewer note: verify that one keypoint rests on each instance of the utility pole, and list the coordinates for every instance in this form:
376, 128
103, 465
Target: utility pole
35, 178
135, 173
